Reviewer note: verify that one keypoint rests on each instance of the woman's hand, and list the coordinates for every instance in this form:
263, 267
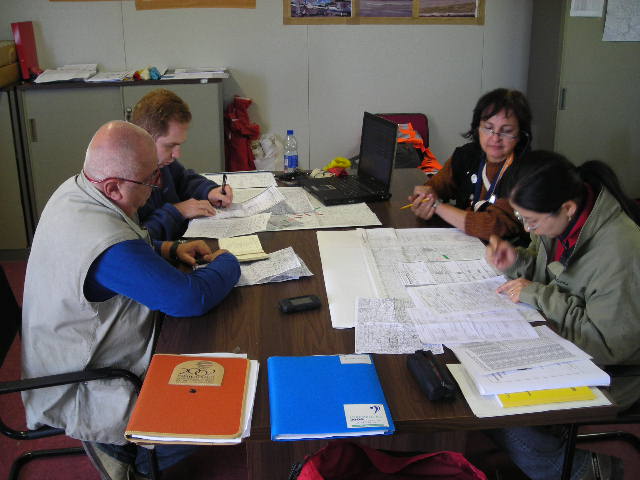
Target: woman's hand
513, 288
424, 201
500, 253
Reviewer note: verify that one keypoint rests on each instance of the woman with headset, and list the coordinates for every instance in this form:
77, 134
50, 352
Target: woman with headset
476, 174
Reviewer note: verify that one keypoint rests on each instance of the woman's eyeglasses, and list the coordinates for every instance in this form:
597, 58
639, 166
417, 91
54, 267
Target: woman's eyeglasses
505, 136
530, 227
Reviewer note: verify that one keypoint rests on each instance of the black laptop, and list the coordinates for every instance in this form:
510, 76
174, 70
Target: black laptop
371, 184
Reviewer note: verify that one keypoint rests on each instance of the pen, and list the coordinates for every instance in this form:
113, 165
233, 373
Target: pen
224, 183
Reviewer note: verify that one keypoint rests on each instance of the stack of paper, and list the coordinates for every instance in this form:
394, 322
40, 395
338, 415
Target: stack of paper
281, 266
246, 248
546, 362
111, 76
326, 396
67, 73
195, 399
196, 72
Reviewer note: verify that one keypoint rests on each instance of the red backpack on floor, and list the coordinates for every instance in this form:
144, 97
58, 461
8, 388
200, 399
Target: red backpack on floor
344, 460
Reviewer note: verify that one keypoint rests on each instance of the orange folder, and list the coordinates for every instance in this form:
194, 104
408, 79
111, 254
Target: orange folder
180, 401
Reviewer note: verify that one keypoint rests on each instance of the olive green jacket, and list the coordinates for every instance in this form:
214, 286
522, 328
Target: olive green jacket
593, 301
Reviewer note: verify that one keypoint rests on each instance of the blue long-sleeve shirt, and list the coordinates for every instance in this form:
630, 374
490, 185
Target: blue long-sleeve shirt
133, 269
159, 215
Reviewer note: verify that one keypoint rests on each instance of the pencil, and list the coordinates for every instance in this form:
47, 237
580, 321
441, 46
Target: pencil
411, 204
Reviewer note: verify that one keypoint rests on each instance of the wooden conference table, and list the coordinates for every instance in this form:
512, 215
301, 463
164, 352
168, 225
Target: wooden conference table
249, 321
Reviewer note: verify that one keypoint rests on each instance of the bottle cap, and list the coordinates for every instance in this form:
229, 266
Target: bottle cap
289, 132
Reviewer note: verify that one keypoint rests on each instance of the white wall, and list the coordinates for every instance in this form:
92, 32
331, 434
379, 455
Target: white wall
315, 79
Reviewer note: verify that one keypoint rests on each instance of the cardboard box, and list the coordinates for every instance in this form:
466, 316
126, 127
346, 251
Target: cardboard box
7, 52
9, 74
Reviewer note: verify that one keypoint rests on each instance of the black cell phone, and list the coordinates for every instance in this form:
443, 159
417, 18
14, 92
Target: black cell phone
299, 304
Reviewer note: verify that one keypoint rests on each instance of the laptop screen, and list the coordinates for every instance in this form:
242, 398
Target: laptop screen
377, 148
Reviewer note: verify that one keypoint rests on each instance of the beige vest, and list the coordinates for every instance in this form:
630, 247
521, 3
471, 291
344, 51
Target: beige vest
62, 331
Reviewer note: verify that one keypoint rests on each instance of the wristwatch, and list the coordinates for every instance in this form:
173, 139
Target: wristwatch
173, 250
436, 203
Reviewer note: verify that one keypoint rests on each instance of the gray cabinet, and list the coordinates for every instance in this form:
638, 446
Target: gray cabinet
11, 212
584, 92
58, 122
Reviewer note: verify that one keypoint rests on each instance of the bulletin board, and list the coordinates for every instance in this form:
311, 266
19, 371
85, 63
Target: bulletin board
407, 12
157, 4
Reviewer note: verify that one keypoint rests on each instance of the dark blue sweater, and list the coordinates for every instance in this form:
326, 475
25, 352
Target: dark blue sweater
133, 269
158, 215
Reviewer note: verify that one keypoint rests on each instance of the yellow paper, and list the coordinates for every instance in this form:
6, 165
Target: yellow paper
538, 397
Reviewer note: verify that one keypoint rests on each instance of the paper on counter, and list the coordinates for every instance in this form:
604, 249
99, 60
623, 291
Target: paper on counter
212, 227
486, 406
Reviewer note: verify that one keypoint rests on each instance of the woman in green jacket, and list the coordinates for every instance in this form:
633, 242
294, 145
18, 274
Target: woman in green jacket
582, 272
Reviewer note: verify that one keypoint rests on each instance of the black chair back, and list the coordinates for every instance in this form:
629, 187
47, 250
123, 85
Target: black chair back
10, 316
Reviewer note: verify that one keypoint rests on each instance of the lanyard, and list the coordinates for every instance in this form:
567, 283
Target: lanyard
482, 174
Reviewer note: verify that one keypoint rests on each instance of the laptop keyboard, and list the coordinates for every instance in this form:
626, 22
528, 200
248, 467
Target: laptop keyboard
350, 186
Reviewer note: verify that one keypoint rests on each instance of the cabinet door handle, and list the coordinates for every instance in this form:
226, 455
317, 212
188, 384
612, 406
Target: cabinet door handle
127, 114
563, 98
32, 128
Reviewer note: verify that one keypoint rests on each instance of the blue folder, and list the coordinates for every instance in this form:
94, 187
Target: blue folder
326, 396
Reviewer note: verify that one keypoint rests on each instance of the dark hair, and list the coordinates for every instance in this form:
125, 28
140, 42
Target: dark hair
512, 102
156, 109
542, 181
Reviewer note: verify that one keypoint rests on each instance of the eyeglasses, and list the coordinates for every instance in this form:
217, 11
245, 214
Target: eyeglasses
530, 227
151, 181
502, 135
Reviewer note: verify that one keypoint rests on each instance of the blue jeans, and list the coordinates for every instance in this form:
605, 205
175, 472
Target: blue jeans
539, 451
167, 455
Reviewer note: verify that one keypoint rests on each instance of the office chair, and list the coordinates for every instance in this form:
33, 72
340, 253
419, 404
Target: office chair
419, 122
631, 416
410, 150
9, 328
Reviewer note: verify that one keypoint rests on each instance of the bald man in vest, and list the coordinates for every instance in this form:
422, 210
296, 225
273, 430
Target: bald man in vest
94, 285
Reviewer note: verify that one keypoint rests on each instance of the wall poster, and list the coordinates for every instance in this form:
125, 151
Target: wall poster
353, 12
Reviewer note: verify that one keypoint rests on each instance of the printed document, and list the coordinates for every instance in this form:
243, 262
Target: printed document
484, 358
281, 266
431, 273
451, 333
212, 227
239, 180
382, 326
487, 406
467, 297
260, 203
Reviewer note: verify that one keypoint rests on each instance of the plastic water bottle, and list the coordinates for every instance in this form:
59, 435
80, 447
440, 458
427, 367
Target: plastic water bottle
290, 152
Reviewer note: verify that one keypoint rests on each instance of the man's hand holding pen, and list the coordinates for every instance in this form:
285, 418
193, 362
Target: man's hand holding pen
221, 196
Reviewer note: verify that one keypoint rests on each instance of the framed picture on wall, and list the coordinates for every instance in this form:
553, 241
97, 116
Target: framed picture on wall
353, 12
